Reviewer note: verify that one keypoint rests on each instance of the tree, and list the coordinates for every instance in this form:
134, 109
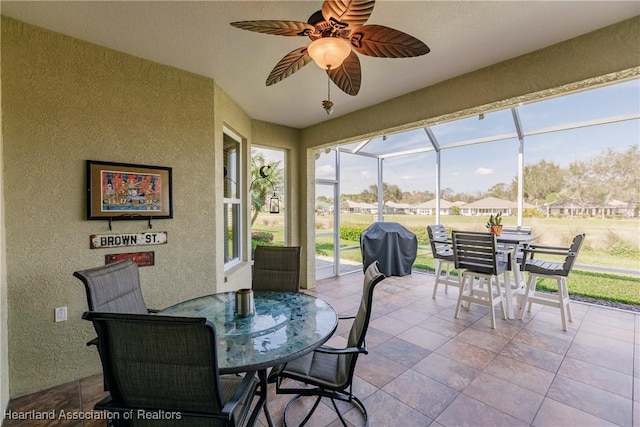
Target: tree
500, 191
261, 188
540, 180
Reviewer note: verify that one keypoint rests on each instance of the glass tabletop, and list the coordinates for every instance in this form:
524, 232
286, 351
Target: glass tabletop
284, 325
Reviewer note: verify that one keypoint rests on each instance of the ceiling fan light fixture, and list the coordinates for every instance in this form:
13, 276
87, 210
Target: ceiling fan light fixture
329, 52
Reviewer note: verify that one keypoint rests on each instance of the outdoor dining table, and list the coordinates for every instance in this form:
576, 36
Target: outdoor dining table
282, 327
511, 242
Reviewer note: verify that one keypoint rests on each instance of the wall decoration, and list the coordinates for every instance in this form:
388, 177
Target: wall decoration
143, 259
98, 241
128, 191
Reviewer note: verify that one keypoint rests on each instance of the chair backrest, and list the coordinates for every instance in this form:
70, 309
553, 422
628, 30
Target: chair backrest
276, 268
439, 241
159, 362
372, 277
572, 255
516, 230
475, 251
114, 288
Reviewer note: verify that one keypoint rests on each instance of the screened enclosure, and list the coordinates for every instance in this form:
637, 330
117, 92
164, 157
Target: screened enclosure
561, 166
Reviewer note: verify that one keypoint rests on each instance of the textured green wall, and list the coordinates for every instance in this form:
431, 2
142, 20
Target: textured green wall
65, 101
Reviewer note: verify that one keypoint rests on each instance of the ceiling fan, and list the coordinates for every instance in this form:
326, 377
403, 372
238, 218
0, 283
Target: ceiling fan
336, 32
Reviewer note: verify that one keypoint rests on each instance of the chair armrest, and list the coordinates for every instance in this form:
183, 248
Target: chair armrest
93, 342
153, 310
532, 248
346, 317
446, 241
231, 404
346, 350
546, 250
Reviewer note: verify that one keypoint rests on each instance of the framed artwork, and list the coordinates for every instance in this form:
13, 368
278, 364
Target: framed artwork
128, 191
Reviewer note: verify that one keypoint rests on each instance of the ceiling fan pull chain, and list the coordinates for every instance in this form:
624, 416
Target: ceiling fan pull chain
327, 104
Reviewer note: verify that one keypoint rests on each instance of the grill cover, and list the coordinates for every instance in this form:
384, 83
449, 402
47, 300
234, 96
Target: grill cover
392, 245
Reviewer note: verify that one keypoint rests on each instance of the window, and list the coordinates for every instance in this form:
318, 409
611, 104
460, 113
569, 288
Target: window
232, 201
268, 227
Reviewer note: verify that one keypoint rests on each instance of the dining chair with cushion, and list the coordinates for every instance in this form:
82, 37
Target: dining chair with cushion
276, 268
443, 255
476, 255
114, 288
163, 370
558, 269
328, 372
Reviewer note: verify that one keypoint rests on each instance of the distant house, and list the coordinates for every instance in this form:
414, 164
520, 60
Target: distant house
396, 208
492, 206
574, 207
357, 207
429, 207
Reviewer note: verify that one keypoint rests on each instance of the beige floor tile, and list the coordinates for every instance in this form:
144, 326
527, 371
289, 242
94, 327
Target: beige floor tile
553, 413
509, 398
423, 394
424, 338
468, 412
533, 356
597, 376
446, 371
527, 376
468, 354
595, 401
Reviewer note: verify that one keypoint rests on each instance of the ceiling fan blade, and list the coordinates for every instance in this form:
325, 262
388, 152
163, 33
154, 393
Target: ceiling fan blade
385, 42
347, 13
348, 76
288, 65
278, 28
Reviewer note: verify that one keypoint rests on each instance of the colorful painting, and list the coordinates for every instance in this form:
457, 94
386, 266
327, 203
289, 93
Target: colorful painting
127, 191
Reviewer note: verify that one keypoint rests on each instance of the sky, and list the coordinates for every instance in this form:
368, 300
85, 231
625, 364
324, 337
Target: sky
478, 167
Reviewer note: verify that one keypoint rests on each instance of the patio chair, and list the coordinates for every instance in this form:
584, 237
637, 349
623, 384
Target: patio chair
328, 372
161, 368
541, 269
517, 230
276, 268
114, 288
475, 254
443, 255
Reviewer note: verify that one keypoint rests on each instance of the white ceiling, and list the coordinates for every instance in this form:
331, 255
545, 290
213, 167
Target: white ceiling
196, 36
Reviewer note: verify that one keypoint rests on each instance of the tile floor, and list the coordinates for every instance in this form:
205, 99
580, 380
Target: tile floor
426, 368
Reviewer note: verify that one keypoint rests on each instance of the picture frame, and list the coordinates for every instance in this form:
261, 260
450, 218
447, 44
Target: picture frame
128, 191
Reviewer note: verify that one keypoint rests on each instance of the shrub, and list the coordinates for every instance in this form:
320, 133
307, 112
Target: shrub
261, 237
351, 233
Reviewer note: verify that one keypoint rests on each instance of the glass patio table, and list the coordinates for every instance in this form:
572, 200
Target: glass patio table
283, 327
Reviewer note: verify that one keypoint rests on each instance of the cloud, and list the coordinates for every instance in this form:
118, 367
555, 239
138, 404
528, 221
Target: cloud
326, 171
484, 171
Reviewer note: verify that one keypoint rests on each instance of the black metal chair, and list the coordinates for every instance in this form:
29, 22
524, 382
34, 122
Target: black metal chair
328, 372
163, 371
443, 255
476, 255
544, 269
276, 268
